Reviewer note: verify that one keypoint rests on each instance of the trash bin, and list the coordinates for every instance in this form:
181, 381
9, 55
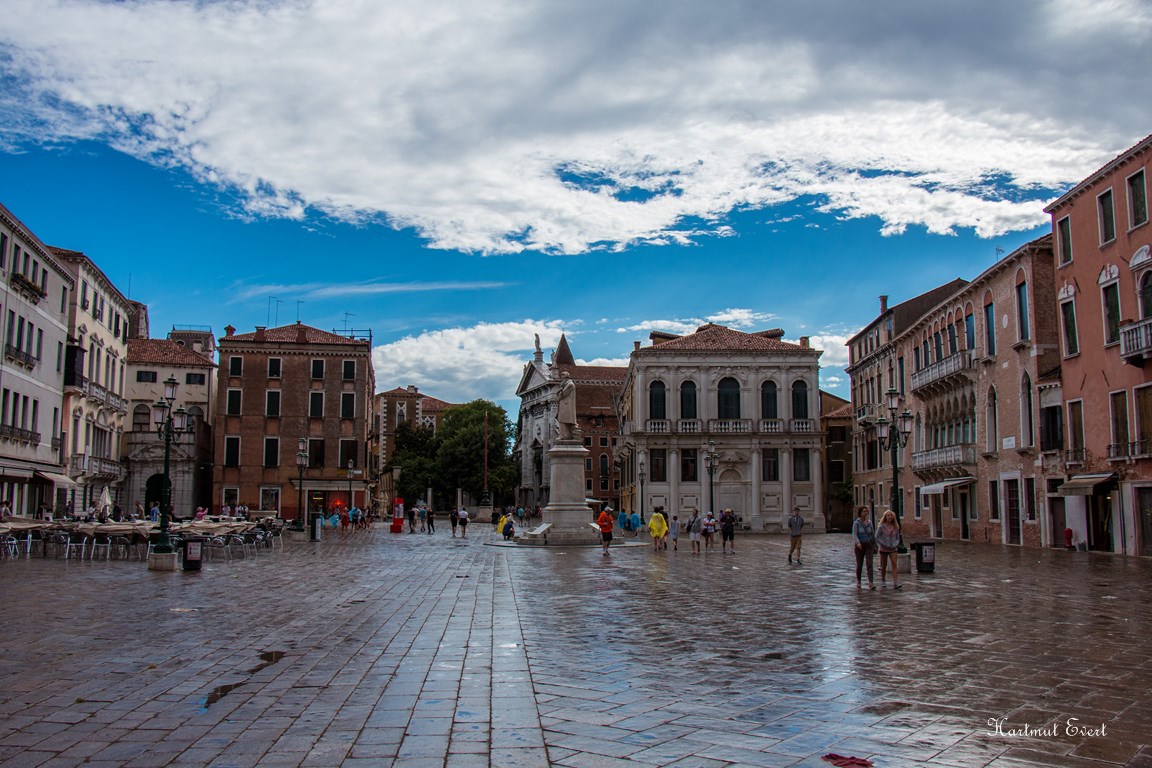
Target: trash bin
193, 551
925, 556
315, 525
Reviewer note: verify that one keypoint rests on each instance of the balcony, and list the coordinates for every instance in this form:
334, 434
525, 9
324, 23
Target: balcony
96, 466
941, 372
97, 392
803, 425
950, 456
730, 426
74, 380
771, 425
20, 357
867, 412
19, 435
1136, 342
659, 426
690, 426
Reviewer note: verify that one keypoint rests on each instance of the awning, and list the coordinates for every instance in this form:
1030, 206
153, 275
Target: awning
938, 488
17, 472
1084, 485
62, 481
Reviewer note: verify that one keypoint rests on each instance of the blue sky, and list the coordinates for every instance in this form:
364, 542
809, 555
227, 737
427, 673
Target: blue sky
459, 176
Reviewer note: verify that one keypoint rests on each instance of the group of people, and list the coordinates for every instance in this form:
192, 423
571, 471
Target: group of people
868, 539
701, 530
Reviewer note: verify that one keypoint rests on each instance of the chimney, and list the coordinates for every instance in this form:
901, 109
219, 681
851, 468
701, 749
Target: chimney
803, 342
411, 389
883, 304
259, 333
229, 330
635, 346
301, 333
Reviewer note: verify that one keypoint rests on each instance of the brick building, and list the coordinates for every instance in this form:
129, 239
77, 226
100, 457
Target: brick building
285, 391
836, 430
401, 405
1103, 265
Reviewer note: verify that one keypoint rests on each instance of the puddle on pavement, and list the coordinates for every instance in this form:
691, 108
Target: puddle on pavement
218, 693
267, 658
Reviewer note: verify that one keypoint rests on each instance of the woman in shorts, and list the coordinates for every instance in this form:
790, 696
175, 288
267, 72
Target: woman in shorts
463, 523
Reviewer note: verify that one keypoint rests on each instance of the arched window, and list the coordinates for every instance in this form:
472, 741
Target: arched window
657, 401
799, 400
688, 400
195, 416
1027, 424
728, 399
1146, 296
141, 419
768, 406
603, 465
991, 438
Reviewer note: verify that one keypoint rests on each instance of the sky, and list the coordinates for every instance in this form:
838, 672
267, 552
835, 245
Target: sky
458, 176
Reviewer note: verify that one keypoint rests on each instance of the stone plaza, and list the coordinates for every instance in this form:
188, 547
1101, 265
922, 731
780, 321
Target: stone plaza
411, 650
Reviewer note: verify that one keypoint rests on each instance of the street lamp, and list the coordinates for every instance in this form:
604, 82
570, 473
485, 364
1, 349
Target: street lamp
711, 462
894, 434
350, 465
641, 476
170, 426
301, 463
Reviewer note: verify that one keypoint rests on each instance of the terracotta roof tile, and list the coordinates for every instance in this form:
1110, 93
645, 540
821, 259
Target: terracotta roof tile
164, 352
593, 372
287, 334
843, 412
719, 338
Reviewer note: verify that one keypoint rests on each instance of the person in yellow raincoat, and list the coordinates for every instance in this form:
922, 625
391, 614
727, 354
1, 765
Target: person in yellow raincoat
658, 528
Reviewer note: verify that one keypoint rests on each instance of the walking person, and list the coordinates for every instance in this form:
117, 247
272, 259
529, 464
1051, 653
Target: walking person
693, 526
454, 520
658, 529
708, 530
864, 544
431, 521
888, 541
463, 523
674, 532
728, 530
605, 523
795, 531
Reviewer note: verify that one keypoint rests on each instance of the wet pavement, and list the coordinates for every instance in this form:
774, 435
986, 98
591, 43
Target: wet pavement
379, 649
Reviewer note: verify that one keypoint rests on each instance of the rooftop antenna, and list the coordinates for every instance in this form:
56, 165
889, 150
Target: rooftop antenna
999, 253
268, 320
346, 316
298, 303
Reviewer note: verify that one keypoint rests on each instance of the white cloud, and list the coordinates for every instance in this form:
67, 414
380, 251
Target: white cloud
737, 318
507, 125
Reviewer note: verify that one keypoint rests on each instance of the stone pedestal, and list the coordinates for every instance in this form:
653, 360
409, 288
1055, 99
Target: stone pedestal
904, 562
567, 509
296, 535
166, 561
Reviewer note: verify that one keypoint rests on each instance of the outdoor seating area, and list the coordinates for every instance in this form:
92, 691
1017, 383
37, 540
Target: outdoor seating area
63, 540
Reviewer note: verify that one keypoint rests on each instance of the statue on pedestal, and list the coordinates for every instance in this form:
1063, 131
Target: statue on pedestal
566, 427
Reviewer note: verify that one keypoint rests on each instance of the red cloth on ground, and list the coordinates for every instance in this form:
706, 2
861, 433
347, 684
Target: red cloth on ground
847, 762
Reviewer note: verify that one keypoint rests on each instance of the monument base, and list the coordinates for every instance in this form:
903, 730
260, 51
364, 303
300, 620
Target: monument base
163, 561
567, 510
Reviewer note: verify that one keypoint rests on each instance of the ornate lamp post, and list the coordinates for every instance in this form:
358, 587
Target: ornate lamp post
894, 434
301, 463
641, 476
171, 425
350, 465
711, 462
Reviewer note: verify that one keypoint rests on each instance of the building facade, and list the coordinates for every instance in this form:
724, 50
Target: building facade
151, 362
722, 419
289, 393
34, 310
1103, 265
95, 370
597, 391
401, 405
836, 431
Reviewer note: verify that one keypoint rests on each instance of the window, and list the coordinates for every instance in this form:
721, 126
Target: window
315, 452
657, 407
799, 400
1051, 428
688, 464
990, 329
147, 377
317, 369
801, 466
603, 465
1118, 402
588, 464
728, 399
1146, 296
348, 453
195, 378
1076, 430
271, 451
952, 344
141, 418
1107, 216
232, 451
315, 405
772, 465
1137, 200
1143, 403
768, 407
232, 406
1027, 424
993, 500
603, 442
1023, 327
991, 438
1064, 240
270, 498
688, 400
1030, 498
275, 367
348, 372
1110, 299
235, 366
1068, 322
658, 459
347, 405
272, 402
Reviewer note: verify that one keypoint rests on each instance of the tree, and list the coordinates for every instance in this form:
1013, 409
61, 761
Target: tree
460, 456
415, 454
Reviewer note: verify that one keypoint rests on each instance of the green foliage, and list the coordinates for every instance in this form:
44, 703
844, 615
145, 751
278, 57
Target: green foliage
460, 457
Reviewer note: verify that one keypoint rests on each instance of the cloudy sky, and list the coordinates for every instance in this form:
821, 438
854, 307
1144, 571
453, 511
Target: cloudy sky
457, 176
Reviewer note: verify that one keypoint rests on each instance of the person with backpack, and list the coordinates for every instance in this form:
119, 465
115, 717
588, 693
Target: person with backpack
454, 520
728, 530
864, 544
693, 525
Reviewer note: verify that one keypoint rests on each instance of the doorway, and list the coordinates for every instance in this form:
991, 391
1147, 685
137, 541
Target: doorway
1059, 522
1099, 523
962, 502
1144, 510
937, 516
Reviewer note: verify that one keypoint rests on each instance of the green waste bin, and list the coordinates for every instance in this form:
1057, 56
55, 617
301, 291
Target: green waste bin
193, 551
925, 556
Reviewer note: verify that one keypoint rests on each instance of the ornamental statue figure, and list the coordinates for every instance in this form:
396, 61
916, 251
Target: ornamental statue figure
566, 408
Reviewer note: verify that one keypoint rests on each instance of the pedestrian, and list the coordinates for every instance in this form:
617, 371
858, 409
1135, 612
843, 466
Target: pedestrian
728, 531
154, 513
674, 532
431, 519
412, 519
864, 544
634, 524
693, 524
520, 515
658, 529
454, 520
621, 519
463, 523
795, 529
509, 528
708, 530
605, 523
888, 541
423, 513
